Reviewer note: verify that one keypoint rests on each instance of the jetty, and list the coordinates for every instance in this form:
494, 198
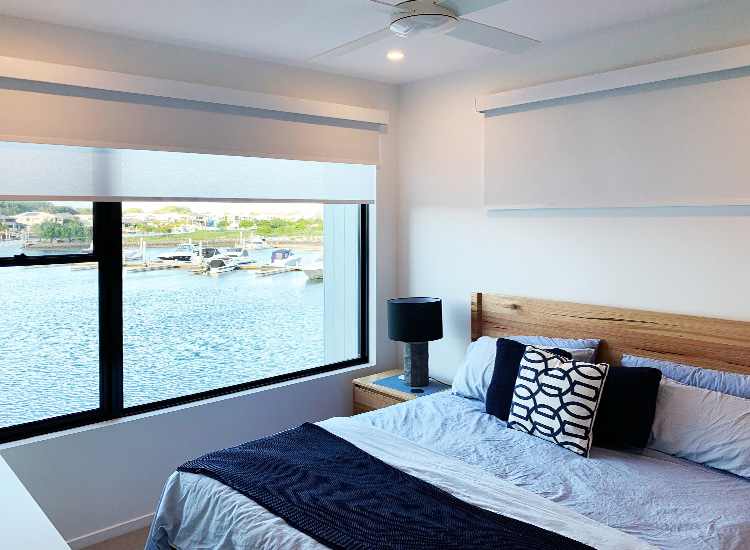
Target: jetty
266, 270
157, 267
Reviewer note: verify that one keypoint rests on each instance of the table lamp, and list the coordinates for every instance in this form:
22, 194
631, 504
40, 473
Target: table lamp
415, 321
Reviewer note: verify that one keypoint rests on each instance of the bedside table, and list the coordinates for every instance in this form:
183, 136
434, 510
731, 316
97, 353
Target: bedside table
384, 389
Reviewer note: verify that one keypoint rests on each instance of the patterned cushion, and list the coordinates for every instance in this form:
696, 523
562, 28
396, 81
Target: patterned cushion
556, 400
508, 357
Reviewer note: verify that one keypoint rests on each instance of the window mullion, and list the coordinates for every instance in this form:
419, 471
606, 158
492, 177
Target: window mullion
108, 251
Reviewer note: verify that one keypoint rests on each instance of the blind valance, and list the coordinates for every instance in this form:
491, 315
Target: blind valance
41, 112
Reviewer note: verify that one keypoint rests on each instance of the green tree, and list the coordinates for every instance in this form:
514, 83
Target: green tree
48, 230
174, 210
11, 208
223, 224
63, 209
133, 211
146, 228
164, 227
72, 230
246, 223
3, 227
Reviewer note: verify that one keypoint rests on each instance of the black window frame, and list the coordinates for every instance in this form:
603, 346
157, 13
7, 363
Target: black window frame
107, 240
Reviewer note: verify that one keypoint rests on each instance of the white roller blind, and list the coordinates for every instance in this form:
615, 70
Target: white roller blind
47, 172
653, 146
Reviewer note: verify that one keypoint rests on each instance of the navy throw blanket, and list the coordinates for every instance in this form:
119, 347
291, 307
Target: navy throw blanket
347, 499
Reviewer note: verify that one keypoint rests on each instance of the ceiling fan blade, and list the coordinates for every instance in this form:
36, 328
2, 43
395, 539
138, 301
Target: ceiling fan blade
492, 37
353, 45
462, 7
385, 7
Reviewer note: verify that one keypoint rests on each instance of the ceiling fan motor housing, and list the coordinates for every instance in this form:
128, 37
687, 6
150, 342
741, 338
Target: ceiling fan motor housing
424, 18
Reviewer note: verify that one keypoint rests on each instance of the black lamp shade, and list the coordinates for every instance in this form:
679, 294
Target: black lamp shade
415, 319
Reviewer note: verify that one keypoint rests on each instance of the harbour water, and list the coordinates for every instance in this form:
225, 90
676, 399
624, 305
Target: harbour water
182, 334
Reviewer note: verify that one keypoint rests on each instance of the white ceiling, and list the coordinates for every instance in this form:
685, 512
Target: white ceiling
291, 31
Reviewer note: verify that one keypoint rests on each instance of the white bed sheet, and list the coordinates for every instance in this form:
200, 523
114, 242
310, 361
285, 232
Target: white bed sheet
199, 513
671, 503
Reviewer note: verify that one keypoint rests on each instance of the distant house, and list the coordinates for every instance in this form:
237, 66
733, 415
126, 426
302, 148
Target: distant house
10, 222
85, 219
32, 218
13, 227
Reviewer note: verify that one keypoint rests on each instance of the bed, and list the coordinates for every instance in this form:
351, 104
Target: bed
616, 498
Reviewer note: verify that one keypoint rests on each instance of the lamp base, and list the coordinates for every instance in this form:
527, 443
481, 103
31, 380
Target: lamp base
416, 369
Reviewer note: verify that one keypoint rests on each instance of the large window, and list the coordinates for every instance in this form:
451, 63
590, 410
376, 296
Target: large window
115, 308
219, 294
49, 331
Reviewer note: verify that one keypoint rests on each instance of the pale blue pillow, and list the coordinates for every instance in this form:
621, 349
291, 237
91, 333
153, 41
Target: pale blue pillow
704, 426
730, 383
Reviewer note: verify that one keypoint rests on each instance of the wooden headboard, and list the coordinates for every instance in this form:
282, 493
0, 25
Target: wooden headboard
701, 341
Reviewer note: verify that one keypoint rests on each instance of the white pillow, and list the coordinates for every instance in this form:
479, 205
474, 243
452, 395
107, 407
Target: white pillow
474, 374
557, 400
703, 426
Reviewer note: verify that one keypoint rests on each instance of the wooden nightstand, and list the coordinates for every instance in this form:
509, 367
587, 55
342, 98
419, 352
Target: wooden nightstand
369, 396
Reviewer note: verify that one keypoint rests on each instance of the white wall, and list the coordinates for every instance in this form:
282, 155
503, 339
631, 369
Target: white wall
649, 260
98, 482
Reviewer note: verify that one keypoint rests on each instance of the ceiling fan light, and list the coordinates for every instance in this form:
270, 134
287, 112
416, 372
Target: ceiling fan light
424, 24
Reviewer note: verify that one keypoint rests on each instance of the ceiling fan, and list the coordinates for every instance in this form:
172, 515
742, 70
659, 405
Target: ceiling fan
419, 18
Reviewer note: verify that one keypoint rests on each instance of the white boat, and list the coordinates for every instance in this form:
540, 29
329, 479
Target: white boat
240, 255
220, 265
314, 270
258, 242
187, 253
129, 254
283, 257
184, 253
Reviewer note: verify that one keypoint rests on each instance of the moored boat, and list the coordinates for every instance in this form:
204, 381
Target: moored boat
129, 254
220, 265
258, 242
240, 255
314, 270
284, 257
188, 253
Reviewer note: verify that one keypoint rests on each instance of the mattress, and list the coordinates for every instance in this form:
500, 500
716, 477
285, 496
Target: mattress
614, 499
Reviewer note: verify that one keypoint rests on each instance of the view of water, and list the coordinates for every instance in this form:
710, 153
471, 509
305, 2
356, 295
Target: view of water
182, 334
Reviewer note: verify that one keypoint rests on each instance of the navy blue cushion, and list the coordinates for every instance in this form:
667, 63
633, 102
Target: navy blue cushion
626, 411
507, 359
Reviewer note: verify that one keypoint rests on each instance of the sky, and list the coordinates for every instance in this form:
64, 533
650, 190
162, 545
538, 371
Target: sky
305, 210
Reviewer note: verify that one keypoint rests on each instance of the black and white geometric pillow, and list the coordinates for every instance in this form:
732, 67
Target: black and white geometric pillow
556, 400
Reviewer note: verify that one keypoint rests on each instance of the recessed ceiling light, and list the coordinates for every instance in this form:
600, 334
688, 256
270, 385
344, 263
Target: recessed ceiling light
395, 56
